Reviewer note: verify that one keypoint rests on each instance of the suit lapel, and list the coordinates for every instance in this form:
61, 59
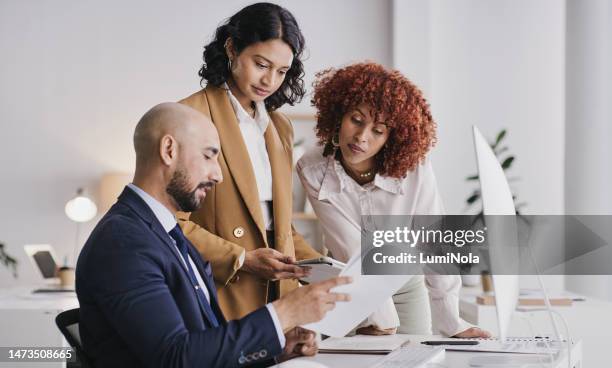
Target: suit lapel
133, 200
139, 206
235, 152
281, 183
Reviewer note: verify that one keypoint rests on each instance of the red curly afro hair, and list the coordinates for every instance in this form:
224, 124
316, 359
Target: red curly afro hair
396, 102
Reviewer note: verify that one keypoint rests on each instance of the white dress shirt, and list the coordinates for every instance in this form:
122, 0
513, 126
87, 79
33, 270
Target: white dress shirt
339, 203
168, 222
253, 130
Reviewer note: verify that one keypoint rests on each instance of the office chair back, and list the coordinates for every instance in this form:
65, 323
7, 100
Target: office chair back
68, 324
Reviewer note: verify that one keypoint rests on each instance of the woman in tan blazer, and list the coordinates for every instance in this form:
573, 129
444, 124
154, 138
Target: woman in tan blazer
251, 68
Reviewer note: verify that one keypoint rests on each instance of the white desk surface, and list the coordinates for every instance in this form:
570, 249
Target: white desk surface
589, 321
453, 359
22, 298
28, 319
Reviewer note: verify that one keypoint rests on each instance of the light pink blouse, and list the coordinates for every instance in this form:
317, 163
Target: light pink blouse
339, 203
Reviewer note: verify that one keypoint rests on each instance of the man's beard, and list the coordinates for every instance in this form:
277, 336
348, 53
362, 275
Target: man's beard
178, 189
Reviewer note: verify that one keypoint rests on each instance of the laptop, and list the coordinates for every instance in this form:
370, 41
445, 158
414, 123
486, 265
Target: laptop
42, 257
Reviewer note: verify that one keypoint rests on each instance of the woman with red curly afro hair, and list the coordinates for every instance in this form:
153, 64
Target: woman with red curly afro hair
375, 130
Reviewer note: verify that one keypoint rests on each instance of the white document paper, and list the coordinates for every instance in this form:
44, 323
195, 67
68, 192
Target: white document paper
364, 343
367, 293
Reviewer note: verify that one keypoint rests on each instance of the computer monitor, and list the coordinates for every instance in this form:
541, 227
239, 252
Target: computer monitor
498, 204
43, 259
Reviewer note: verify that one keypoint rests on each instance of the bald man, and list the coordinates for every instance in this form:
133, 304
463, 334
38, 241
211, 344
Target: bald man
147, 298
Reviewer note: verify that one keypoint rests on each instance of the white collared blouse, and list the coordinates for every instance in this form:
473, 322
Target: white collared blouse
253, 130
339, 203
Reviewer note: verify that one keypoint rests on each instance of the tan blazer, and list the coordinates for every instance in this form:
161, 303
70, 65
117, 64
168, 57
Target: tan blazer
230, 219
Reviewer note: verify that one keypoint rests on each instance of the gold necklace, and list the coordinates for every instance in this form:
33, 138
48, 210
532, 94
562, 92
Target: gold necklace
365, 175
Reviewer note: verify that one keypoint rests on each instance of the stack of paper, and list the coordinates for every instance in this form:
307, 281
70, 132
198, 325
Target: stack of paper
362, 344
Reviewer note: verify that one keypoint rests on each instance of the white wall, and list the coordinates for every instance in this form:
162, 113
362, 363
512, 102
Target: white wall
77, 75
499, 64
412, 42
589, 77
496, 64
503, 64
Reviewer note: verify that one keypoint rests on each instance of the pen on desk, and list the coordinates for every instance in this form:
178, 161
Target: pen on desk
451, 342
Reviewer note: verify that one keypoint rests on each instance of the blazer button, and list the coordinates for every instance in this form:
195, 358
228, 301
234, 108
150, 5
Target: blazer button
239, 232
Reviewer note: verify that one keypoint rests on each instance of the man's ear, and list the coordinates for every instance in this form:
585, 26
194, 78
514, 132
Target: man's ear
168, 149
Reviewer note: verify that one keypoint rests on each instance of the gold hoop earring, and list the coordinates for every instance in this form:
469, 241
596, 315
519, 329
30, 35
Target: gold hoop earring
335, 141
227, 48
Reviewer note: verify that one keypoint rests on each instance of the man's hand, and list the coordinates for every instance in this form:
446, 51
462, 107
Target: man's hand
270, 264
474, 332
300, 341
373, 330
309, 303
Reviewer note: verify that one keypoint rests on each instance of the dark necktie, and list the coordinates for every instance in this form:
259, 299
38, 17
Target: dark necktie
182, 244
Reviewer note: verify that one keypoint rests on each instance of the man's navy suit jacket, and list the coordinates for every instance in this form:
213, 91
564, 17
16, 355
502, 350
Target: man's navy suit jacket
138, 306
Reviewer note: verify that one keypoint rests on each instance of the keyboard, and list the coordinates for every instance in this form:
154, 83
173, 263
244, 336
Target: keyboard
52, 290
411, 355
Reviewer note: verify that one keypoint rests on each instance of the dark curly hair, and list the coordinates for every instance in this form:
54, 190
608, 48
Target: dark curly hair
396, 102
257, 23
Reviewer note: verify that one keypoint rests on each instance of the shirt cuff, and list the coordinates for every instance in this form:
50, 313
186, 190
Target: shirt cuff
385, 316
241, 258
277, 325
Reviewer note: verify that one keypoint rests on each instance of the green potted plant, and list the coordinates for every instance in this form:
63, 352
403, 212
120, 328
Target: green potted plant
8, 261
506, 161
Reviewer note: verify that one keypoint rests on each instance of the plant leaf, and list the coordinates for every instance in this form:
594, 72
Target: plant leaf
499, 138
473, 177
473, 198
507, 162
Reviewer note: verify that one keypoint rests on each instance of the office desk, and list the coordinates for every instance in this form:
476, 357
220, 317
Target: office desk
589, 321
453, 359
28, 320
